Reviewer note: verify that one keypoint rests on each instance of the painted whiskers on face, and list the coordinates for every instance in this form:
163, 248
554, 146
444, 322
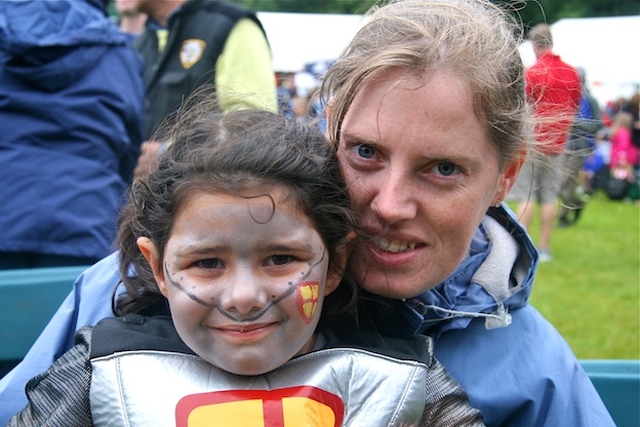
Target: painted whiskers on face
291, 288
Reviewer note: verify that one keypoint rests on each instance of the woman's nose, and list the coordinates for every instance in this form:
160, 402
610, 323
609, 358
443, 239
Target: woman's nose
394, 200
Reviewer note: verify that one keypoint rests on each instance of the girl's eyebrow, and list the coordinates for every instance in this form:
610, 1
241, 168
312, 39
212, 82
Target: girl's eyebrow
201, 248
296, 246
204, 248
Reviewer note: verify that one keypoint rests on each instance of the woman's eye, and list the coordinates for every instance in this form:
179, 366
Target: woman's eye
210, 263
447, 169
365, 151
280, 259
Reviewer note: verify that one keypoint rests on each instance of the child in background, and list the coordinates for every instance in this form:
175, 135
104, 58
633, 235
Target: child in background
624, 155
236, 239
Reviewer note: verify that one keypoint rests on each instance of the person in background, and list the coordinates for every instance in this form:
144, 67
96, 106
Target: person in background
580, 143
285, 93
624, 154
71, 116
429, 114
633, 107
130, 20
189, 43
595, 170
554, 90
238, 237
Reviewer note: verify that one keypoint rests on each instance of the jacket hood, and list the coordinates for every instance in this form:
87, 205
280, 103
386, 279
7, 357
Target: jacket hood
496, 277
50, 44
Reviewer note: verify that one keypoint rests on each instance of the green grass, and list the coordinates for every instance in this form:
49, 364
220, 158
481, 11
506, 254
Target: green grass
591, 290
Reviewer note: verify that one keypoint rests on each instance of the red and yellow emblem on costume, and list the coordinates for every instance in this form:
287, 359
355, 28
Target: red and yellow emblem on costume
307, 299
191, 52
302, 406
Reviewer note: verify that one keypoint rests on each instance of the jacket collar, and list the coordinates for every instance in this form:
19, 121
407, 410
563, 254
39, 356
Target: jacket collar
497, 277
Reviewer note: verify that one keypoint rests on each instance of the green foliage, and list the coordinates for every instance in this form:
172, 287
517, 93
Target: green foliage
551, 11
530, 12
306, 6
591, 290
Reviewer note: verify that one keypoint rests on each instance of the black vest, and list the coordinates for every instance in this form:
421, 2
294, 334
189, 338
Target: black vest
197, 34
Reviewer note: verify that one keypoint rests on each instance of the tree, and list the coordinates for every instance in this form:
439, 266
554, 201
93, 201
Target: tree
531, 12
550, 11
309, 6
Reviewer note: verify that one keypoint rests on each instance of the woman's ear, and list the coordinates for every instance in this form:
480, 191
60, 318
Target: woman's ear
510, 175
150, 253
339, 264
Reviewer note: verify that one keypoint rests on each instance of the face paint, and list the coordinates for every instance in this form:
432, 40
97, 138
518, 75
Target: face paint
245, 278
307, 299
306, 296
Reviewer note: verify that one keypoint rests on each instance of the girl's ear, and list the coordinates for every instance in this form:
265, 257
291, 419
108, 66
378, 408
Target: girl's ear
150, 252
339, 264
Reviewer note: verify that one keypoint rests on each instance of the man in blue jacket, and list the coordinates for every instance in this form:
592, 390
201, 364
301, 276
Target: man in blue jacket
71, 122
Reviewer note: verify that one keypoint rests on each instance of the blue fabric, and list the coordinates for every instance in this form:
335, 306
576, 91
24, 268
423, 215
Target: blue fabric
71, 117
524, 374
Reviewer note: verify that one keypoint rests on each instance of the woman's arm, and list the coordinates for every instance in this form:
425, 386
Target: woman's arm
60, 395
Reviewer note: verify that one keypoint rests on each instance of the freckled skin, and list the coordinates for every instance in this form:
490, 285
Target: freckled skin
422, 171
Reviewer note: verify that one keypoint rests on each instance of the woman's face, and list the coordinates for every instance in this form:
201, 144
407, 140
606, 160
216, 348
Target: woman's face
245, 279
422, 171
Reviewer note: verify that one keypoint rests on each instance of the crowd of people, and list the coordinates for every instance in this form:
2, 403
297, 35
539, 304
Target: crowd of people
613, 162
267, 259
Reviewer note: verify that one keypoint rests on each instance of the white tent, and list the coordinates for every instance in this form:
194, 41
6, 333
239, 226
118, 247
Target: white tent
606, 48
300, 38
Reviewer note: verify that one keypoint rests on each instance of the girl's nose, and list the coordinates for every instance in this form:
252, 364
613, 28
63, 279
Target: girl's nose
244, 293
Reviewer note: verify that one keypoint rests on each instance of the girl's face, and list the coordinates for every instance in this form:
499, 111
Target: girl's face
422, 171
245, 278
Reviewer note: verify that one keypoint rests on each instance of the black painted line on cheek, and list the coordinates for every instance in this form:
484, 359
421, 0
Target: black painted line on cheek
178, 286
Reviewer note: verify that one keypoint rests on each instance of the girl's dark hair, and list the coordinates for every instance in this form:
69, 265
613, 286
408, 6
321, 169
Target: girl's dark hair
231, 152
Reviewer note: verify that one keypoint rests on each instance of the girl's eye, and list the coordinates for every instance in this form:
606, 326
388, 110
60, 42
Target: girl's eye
209, 263
365, 151
447, 169
280, 259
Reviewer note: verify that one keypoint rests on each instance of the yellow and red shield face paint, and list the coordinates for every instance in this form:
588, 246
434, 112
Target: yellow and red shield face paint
307, 299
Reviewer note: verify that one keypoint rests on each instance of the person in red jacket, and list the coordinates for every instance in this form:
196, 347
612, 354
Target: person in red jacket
554, 91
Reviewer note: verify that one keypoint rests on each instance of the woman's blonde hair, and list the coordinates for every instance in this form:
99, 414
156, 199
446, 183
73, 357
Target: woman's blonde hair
475, 40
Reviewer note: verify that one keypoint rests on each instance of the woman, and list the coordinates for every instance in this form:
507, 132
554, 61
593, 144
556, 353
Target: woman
428, 110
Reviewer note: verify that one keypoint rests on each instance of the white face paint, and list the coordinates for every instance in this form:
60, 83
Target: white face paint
245, 279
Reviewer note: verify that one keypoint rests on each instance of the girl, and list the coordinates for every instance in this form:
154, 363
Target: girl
624, 155
236, 240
